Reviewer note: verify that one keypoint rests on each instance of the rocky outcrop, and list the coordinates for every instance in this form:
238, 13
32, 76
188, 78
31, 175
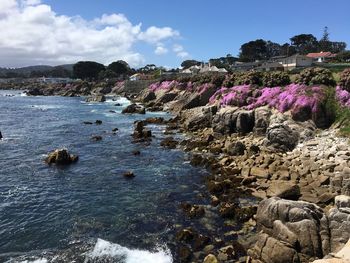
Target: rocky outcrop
198, 118
61, 157
290, 231
134, 108
140, 132
96, 98
233, 120
35, 92
146, 96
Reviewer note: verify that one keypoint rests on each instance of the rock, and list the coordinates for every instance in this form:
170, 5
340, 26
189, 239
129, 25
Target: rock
146, 96
140, 132
129, 175
184, 253
284, 189
227, 210
193, 211
1, 136
96, 98
35, 92
61, 157
118, 104
96, 138
343, 256
134, 108
210, 259
198, 118
185, 235
226, 253
290, 231
260, 173
225, 120
87, 122
112, 111
254, 149
282, 137
245, 122
262, 120
115, 129
154, 120
136, 152
169, 143
98, 122
235, 149
339, 222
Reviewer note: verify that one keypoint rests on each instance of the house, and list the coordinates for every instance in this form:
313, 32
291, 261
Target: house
294, 61
204, 68
135, 77
321, 56
270, 66
245, 66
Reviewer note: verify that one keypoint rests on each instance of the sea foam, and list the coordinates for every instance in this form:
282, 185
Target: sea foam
105, 249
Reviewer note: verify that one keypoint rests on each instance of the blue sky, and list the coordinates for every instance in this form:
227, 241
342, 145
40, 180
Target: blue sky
205, 29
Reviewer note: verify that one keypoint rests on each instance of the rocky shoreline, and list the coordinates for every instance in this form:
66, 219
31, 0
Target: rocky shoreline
299, 172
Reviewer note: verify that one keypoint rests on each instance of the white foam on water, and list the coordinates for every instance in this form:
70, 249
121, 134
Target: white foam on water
107, 249
43, 260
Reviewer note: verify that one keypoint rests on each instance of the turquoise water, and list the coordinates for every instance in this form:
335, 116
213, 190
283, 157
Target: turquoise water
45, 210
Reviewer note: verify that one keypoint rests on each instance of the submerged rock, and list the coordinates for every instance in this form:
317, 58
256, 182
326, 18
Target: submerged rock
61, 157
96, 138
98, 122
1, 136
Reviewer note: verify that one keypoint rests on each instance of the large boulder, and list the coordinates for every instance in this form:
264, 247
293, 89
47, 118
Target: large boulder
35, 92
225, 120
339, 222
261, 120
245, 121
134, 108
146, 95
96, 98
61, 157
282, 137
198, 118
290, 231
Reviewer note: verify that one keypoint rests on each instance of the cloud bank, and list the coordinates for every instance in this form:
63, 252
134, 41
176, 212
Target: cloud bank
32, 33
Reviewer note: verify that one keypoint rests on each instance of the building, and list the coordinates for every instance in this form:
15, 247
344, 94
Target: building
321, 56
204, 68
270, 66
245, 66
294, 61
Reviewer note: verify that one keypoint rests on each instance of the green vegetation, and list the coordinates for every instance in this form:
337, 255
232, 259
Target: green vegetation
313, 76
87, 70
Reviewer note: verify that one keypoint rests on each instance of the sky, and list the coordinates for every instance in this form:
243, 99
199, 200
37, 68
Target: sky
53, 32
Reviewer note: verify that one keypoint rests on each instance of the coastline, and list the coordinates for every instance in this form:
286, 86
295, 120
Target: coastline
273, 175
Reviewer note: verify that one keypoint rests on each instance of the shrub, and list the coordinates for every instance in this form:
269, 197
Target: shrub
273, 79
315, 76
249, 78
344, 81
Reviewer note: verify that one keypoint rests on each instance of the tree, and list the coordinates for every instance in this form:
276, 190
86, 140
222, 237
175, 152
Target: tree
253, 50
343, 56
87, 70
189, 63
337, 47
324, 43
272, 49
107, 74
120, 67
287, 50
304, 43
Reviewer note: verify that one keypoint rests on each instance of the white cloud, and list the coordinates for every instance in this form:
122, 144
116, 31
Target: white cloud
180, 52
155, 34
32, 33
160, 50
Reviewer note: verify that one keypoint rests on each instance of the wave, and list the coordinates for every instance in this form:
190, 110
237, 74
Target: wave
105, 249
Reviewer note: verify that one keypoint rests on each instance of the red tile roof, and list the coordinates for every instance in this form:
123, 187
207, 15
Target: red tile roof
321, 55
